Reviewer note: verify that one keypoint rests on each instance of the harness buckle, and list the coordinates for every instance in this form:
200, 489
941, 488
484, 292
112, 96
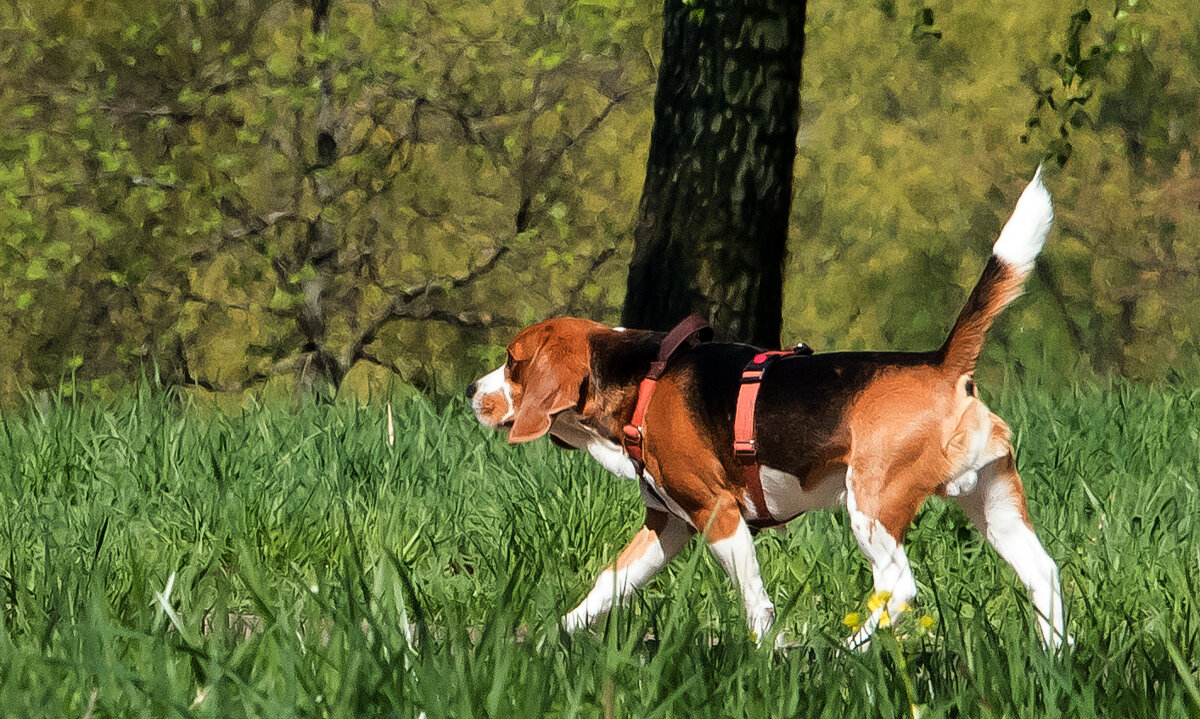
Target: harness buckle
745, 449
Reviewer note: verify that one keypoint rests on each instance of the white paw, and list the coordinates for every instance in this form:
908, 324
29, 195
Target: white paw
858, 643
760, 625
575, 621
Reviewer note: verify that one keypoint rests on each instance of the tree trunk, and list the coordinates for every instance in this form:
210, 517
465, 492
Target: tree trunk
712, 223
320, 247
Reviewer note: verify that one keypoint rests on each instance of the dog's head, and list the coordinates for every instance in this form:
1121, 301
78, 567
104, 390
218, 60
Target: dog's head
546, 371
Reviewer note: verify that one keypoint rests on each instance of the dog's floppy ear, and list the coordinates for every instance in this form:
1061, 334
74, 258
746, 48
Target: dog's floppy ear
553, 386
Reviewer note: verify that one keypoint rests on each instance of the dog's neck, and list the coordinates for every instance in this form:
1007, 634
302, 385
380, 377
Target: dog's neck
619, 362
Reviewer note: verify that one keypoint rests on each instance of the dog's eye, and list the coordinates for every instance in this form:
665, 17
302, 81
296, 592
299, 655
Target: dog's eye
510, 363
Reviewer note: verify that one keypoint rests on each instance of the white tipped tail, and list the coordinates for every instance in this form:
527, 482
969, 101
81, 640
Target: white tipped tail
1012, 259
1025, 232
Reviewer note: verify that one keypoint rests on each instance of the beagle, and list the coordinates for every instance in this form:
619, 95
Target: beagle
879, 432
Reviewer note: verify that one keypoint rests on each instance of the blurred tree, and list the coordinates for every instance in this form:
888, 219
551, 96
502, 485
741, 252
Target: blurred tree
713, 220
243, 190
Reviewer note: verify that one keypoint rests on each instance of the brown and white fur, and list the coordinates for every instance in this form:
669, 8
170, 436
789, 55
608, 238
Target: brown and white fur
878, 432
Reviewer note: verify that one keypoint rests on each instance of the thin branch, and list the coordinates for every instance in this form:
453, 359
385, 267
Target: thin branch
252, 226
573, 294
595, 122
531, 172
368, 332
488, 265
190, 296
650, 60
286, 364
464, 320
1042, 270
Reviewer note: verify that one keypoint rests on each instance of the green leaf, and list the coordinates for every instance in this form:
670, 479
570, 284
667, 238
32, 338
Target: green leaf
108, 161
278, 64
36, 147
58, 251
156, 199
36, 269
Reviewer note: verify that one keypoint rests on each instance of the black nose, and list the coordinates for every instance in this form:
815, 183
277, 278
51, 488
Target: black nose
471, 390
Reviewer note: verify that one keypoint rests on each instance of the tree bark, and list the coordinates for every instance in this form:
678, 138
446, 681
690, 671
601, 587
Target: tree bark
712, 224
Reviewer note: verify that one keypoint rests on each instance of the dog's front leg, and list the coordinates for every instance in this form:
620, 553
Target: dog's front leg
655, 544
731, 542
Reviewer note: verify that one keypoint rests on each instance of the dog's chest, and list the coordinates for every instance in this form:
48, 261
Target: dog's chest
609, 454
612, 457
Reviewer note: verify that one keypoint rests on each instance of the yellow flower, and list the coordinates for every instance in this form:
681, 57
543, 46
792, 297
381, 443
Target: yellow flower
927, 622
853, 621
878, 599
885, 619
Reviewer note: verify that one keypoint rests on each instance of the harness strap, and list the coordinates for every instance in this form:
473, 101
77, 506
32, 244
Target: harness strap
684, 336
745, 446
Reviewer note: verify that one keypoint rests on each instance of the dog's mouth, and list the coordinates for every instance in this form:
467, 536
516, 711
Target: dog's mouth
505, 426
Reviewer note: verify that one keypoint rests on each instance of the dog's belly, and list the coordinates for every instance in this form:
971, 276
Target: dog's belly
787, 499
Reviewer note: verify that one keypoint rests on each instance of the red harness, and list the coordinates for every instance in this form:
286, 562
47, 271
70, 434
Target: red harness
690, 332
745, 446
686, 335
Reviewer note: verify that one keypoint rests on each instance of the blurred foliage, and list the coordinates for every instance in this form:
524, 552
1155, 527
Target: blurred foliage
158, 181
914, 147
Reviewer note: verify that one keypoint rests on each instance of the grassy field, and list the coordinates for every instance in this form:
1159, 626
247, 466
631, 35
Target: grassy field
160, 560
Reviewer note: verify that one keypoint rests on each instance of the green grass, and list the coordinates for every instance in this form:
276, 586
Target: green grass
301, 545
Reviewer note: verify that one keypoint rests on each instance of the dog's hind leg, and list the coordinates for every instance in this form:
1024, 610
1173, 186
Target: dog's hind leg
655, 544
996, 505
880, 536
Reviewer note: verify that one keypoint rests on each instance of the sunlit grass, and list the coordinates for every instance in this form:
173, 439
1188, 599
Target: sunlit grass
156, 560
